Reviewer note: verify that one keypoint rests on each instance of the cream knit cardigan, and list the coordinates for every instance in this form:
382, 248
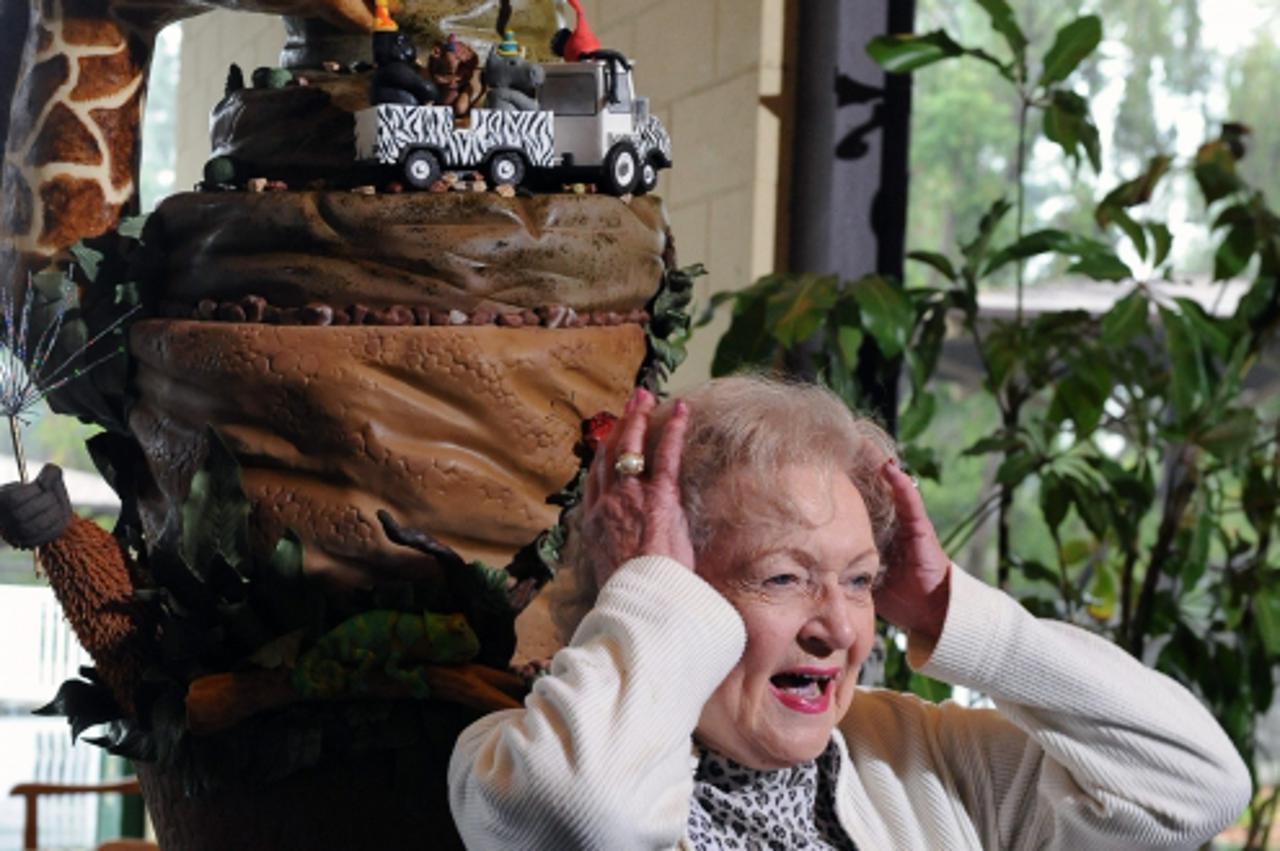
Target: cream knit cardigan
1087, 749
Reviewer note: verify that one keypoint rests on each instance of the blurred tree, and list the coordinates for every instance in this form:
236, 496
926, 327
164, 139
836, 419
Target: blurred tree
1154, 66
1254, 80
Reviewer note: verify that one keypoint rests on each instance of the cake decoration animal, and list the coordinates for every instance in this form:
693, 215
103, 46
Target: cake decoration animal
396, 77
452, 66
512, 81
580, 42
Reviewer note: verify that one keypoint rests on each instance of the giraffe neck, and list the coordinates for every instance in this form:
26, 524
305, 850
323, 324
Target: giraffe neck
74, 127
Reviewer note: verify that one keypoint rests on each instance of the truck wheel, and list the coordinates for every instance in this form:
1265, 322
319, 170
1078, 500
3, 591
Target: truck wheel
621, 170
506, 169
648, 178
421, 169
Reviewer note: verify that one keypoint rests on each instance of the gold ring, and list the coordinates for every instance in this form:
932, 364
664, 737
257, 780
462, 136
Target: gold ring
629, 464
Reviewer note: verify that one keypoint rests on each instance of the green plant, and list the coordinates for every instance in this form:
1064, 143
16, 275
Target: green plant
1131, 435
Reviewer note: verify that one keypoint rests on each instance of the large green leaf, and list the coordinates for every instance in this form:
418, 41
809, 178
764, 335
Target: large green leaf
747, 341
906, 52
1126, 321
976, 251
936, 260
1054, 500
916, 416
1072, 44
1212, 332
1095, 259
1081, 396
1162, 239
1235, 252
1231, 435
1215, 171
798, 309
887, 313
1067, 123
1190, 382
1135, 192
1102, 265
1261, 499
1136, 233
1032, 244
1005, 23
1102, 596
1266, 610
1002, 352
1016, 467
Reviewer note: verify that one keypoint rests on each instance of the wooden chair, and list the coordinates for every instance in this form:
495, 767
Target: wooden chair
31, 793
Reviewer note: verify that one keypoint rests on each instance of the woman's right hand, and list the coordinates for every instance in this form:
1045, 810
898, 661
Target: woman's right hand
626, 516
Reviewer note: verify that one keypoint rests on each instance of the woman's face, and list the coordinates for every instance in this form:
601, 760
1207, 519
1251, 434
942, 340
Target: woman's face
804, 592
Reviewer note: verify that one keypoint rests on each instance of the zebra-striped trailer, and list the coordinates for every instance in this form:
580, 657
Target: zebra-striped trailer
422, 141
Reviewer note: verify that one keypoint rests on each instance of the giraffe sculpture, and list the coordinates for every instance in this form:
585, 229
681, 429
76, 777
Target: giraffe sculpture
72, 86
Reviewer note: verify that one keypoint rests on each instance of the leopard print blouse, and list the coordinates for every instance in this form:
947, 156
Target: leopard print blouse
793, 808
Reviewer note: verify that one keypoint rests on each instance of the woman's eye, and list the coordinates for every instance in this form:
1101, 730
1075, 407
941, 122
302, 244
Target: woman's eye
862, 582
782, 580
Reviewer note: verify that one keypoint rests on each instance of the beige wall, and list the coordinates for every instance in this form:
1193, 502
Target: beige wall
210, 43
704, 64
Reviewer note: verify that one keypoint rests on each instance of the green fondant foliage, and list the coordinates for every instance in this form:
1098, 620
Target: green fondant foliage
396, 644
669, 324
98, 313
215, 516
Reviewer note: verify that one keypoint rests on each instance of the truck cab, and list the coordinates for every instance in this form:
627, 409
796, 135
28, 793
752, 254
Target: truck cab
601, 127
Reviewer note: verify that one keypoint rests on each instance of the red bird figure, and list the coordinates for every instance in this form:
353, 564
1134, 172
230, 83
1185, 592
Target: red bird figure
581, 40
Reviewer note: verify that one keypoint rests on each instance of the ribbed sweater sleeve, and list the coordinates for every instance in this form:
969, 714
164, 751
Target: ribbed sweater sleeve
1089, 750
599, 757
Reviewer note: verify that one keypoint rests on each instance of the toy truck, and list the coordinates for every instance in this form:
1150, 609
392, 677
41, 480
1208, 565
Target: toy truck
591, 128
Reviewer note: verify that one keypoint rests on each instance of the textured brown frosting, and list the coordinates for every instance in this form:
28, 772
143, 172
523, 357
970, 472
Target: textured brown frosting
462, 431
295, 133
463, 250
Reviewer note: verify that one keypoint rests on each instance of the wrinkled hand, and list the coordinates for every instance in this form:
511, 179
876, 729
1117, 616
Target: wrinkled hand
629, 516
916, 587
34, 513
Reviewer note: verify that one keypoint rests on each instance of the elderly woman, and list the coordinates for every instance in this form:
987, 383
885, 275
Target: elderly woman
742, 540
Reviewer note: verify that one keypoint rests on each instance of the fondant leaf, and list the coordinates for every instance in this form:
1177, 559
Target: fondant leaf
215, 516
85, 704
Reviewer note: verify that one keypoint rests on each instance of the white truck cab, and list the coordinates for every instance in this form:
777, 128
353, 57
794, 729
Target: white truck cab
600, 124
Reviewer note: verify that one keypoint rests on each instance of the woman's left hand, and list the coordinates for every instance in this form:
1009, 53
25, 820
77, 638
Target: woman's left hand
916, 587
629, 515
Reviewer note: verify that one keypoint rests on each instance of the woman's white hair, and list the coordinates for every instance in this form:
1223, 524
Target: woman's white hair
743, 431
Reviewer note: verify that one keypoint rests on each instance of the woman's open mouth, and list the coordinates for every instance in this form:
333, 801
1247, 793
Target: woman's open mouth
805, 690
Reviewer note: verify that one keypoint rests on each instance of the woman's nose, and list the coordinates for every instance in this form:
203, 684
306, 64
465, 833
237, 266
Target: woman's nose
829, 628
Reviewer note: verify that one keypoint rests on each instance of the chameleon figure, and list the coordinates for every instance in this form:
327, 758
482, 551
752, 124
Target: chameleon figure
399, 644
395, 643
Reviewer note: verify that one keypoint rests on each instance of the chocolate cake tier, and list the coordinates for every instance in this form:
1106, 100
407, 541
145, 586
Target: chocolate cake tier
467, 251
462, 432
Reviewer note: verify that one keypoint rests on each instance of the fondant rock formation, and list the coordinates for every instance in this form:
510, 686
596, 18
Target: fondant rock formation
464, 251
462, 431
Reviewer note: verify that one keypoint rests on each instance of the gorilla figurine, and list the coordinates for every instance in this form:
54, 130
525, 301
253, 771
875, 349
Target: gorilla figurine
396, 78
